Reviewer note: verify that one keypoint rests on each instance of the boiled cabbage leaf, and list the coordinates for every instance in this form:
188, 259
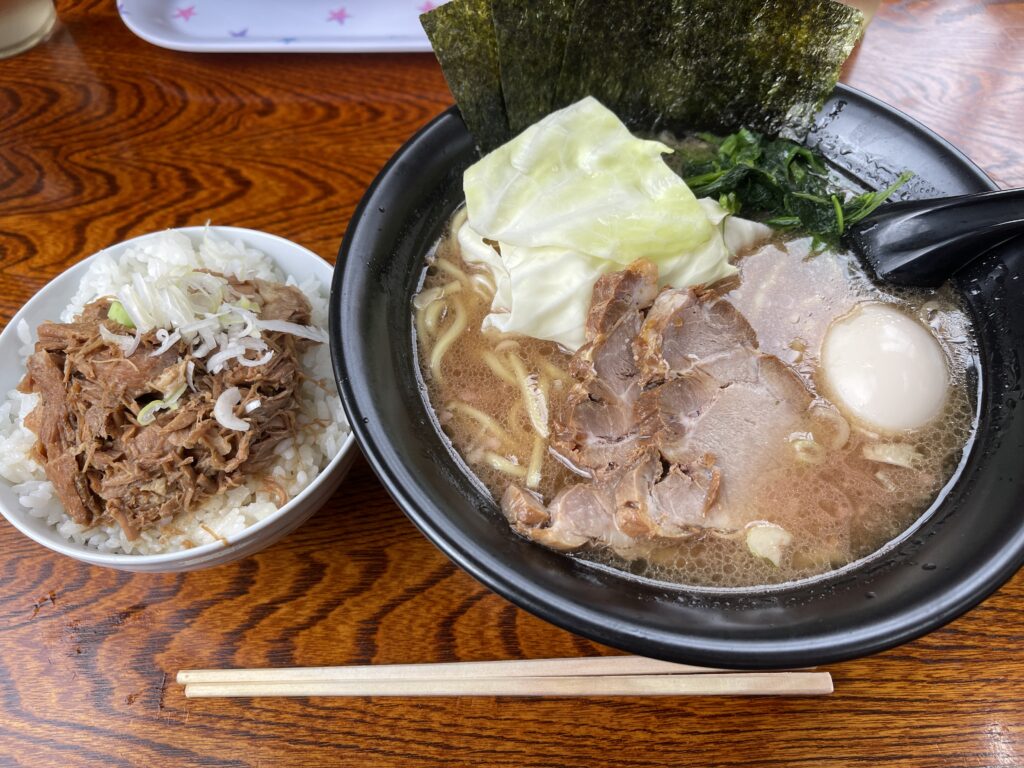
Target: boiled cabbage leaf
574, 197
545, 292
579, 180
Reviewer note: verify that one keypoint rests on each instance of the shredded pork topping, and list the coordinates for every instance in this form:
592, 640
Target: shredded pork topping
137, 424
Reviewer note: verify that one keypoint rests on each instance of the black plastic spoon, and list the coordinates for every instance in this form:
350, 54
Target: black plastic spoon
924, 242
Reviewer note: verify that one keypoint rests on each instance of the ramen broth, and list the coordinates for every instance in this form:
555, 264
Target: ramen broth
837, 507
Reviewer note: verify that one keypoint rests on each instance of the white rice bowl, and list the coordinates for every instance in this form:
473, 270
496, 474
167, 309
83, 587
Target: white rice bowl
322, 437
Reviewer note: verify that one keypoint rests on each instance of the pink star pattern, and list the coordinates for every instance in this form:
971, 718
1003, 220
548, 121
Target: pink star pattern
185, 13
427, 7
340, 15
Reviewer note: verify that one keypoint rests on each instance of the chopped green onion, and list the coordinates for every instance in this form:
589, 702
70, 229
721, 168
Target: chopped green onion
118, 314
148, 413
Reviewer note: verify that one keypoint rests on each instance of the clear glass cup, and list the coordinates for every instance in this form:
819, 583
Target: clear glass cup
24, 23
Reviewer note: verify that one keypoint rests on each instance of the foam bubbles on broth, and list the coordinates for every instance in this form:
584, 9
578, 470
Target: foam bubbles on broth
837, 511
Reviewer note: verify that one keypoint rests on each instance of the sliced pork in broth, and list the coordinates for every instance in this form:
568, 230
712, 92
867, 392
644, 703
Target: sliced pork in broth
673, 444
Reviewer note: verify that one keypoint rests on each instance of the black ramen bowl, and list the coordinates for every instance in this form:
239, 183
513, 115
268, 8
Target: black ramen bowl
963, 547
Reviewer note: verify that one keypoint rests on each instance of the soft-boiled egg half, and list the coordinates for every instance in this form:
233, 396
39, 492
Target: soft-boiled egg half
884, 369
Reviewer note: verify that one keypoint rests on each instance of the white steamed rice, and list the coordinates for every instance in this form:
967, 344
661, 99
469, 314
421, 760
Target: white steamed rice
322, 424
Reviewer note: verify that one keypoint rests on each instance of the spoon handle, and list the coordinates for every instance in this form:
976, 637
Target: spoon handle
923, 242
952, 215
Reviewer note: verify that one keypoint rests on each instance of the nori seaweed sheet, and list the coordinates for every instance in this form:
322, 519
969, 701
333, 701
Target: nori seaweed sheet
690, 65
682, 65
765, 64
462, 35
531, 46
611, 46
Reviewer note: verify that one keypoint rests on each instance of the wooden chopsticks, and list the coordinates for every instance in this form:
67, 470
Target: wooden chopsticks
598, 676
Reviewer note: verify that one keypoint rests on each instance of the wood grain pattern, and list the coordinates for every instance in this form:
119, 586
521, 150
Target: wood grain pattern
102, 137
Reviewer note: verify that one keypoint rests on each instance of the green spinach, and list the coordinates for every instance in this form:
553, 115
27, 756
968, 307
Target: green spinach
778, 181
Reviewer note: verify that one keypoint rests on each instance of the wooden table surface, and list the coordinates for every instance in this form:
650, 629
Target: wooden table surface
103, 137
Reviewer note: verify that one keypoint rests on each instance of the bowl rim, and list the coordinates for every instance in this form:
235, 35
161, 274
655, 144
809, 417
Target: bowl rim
49, 538
826, 647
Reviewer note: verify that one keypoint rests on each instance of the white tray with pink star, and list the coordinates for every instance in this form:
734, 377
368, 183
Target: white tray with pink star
307, 26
